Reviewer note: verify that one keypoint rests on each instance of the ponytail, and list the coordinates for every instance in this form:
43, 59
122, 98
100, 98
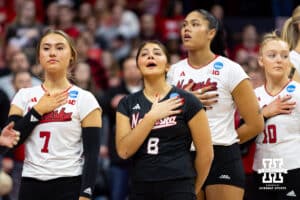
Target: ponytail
289, 33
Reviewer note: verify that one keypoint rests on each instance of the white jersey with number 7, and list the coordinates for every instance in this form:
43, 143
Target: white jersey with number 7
54, 148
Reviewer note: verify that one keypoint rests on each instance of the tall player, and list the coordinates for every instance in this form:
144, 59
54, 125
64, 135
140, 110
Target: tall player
220, 84
155, 127
280, 141
60, 125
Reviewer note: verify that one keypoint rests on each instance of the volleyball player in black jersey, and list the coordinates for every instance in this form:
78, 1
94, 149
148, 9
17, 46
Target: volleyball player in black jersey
155, 128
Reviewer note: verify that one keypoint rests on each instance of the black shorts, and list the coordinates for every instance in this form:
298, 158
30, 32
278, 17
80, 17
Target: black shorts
289, 189
178, 189
67, 188
227, 167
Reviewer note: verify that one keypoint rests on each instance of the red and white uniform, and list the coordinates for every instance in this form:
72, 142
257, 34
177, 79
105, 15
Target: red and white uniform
281, 137
54, 148
225, 75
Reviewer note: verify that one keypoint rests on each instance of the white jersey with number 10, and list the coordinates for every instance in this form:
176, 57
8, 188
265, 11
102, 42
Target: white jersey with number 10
224, 75
281, 137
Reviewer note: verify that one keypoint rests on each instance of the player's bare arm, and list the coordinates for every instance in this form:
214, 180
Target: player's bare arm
248, 108
204, 150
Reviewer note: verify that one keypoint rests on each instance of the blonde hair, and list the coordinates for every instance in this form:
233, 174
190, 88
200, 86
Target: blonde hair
267, 38
273, 36
290, 32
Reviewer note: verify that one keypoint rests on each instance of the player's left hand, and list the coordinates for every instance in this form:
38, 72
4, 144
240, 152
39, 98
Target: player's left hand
207, 95
9, 136
207, 98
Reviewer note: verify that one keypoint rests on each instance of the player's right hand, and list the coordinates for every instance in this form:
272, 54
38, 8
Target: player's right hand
49, 102
281, 105
166, 108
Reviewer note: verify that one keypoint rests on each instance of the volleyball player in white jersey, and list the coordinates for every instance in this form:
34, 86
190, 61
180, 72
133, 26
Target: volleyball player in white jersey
220, 84
60, 125
280, 141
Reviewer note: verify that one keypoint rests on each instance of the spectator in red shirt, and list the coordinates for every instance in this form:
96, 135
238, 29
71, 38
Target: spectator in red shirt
249, 42
66, 18
99, 73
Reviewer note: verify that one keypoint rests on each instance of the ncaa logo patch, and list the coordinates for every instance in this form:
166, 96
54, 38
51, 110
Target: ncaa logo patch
73, 94
218, 65
174, 94
291, 88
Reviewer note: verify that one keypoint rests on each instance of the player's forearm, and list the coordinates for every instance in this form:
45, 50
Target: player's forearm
25, 124
248, 131
203, 162
91, 143
130, 143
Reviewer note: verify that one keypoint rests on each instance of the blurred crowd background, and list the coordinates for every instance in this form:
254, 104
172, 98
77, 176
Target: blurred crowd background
106, 34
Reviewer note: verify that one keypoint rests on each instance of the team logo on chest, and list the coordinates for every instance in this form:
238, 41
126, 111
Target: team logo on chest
217, 67
162, 123
291, 88
73, 94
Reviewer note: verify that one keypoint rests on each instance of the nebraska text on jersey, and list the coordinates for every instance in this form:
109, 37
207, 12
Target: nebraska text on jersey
197, 85
57, 116
165, 122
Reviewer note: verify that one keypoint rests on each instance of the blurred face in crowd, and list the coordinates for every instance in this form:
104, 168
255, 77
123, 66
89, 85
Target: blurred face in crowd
85, 10
131, 73
66, 15
22, 79
52, 11
217, 11
27, 12
82, 72
148, 24
249, 36
82, 47
19, 61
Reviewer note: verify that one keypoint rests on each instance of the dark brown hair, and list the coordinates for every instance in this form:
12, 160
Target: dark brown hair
164, 49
